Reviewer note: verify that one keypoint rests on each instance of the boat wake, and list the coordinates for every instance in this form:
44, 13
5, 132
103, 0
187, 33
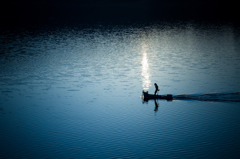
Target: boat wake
229, 97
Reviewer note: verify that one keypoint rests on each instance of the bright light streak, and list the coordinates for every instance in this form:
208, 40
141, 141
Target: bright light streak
145, 73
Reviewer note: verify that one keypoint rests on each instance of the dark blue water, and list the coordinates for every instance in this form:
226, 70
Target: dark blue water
75, 92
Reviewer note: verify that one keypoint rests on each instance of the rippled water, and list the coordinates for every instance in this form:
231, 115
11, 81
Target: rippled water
74, 92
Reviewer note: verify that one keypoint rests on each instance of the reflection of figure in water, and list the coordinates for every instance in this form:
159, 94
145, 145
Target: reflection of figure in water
156, 106
156, 86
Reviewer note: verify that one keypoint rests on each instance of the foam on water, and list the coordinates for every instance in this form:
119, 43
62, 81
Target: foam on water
229, 97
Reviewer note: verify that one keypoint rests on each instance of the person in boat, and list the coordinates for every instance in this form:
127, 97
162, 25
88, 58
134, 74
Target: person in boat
156, 86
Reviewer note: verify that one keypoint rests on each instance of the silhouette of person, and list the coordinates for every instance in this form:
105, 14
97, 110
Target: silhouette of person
156, 86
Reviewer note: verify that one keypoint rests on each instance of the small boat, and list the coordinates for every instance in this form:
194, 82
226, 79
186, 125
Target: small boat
152, 96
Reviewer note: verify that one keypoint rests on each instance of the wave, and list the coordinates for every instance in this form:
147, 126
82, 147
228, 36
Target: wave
229, 97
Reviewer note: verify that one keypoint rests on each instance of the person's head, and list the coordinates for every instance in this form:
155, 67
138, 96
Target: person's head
155, 83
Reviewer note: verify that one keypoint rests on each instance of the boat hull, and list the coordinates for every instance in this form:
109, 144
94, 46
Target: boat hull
152, 96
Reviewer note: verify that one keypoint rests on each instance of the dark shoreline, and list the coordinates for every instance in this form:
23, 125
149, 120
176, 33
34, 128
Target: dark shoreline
16, 14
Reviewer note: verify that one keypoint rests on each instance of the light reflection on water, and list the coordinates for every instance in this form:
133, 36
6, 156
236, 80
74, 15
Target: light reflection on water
75, 92
145, 74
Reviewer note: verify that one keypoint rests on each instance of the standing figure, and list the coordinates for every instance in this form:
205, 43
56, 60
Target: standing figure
156, 86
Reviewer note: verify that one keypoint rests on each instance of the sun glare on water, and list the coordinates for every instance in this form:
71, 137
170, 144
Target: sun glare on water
145, 74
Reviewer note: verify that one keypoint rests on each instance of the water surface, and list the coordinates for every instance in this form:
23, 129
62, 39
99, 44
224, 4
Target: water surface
75, 91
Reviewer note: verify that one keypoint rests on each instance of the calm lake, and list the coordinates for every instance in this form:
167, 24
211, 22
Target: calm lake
75, 92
